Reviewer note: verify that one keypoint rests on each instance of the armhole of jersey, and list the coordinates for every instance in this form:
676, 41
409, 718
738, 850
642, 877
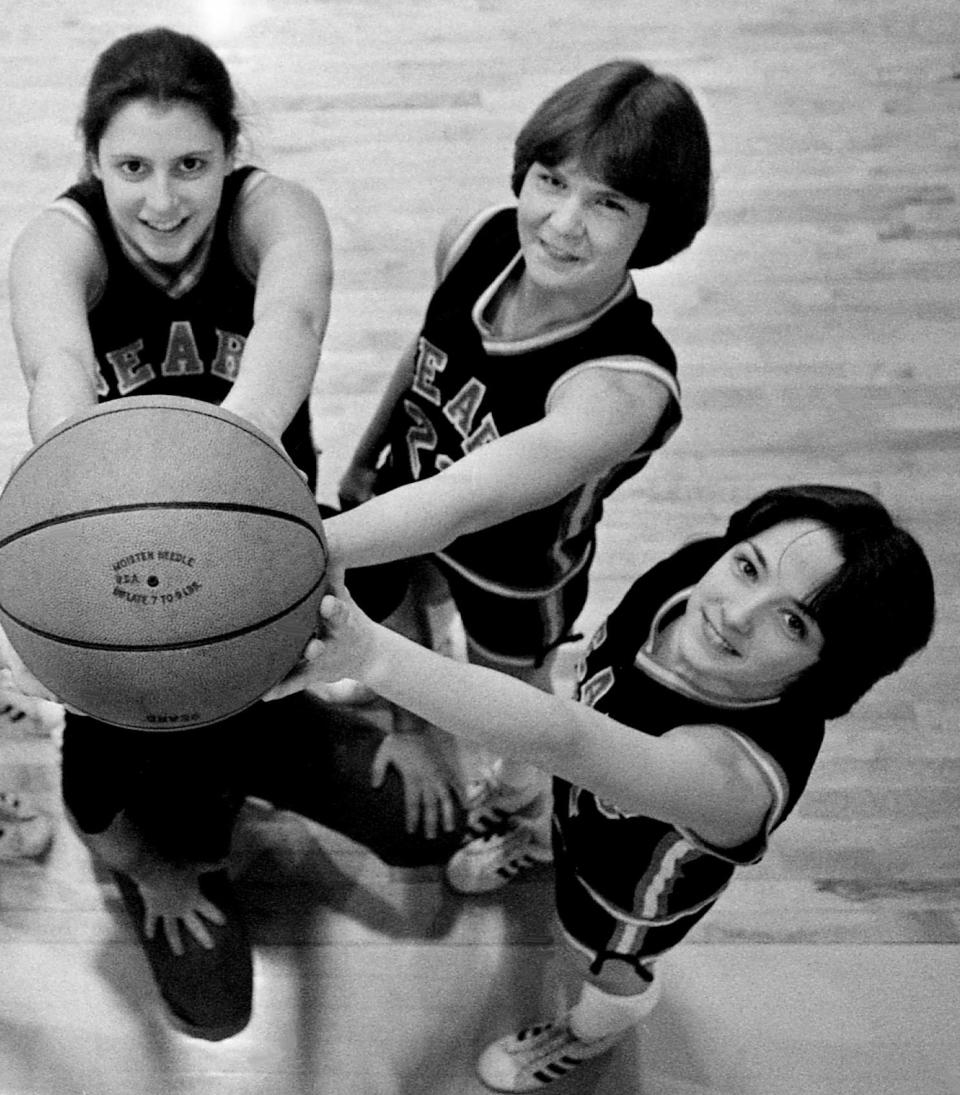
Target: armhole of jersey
641, 366
67, 207
750, 851
249, 184
466, 234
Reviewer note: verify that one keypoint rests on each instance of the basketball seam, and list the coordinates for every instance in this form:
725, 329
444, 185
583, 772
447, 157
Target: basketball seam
131, 507
106, 409
186, 644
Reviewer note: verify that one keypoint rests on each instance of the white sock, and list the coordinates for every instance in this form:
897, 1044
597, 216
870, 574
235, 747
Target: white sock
598, 1014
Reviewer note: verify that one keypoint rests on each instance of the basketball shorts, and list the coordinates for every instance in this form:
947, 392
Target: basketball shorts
614, 948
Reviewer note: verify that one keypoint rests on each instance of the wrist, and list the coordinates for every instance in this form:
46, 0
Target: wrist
264, 418
374, 659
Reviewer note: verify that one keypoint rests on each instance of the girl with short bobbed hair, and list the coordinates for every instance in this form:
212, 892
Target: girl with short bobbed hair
875, 611
537, 385
640, 131
700, 712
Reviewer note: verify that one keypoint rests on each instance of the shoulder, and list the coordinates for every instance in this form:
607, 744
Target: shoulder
269, 210
266, 197
744, 789
61, 240
460, 231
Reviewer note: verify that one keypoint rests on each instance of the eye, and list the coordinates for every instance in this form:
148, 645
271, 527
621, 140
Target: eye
745, 565
192, 165
548, 179
612, 205
795, 625
132, 169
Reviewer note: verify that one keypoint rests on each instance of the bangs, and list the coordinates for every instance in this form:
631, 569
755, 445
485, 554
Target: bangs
610, 152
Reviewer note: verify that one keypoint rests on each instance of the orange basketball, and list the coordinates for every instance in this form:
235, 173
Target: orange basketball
161, 563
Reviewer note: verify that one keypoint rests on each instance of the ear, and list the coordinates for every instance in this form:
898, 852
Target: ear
93, 166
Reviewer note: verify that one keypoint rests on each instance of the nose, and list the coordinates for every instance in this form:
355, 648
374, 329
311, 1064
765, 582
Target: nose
567, 216
160, 195
739, 613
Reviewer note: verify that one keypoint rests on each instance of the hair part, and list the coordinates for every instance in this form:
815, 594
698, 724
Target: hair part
879, 607
164, 67
643, 134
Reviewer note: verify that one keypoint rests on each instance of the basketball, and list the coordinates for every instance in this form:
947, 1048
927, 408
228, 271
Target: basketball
161, 563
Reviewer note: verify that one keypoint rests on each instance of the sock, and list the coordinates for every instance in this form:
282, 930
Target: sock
533, 786
599, 1014
518, 776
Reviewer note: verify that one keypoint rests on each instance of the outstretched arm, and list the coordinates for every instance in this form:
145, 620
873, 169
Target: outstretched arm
55, 264
597, 419
691, 777
285, 240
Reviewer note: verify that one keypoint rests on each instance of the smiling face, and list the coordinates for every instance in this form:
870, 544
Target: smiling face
162, 169
577, 233
747, 632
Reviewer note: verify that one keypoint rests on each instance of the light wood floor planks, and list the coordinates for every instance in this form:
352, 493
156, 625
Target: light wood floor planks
817, 322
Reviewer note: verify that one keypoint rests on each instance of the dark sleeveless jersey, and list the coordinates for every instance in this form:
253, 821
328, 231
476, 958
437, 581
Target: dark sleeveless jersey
470, 388
147, 342
645, 875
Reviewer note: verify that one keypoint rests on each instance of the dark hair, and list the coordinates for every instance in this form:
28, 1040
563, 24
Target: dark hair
166, 67
643, 134
875, 612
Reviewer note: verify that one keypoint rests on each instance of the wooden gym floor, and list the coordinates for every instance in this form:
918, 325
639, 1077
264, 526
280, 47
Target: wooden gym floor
817, 321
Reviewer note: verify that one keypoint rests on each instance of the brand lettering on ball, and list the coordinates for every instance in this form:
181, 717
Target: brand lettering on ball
154, 591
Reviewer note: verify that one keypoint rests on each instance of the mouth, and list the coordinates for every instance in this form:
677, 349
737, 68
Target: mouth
716, 639
164, 228
559, 255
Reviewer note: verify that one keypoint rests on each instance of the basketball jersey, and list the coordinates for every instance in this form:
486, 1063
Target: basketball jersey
148, 342
630, 874
471, 387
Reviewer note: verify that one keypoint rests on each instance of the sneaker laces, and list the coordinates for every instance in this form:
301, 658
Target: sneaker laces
538, 1055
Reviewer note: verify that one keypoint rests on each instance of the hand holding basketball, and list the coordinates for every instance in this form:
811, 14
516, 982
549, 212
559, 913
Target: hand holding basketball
345, 651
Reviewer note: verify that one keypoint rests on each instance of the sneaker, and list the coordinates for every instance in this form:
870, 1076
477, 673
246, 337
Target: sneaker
208, 993
537, 1056
494, 808
487, 863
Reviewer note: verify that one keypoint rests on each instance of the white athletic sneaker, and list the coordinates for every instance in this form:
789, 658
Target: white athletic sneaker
486, 863
496, 807
538, 1055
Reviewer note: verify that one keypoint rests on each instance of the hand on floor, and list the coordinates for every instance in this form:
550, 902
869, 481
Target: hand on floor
171, 898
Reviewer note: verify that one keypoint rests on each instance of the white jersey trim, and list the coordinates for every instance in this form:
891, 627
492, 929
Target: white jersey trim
256, 178
647, 921
623, 363
510, 591
645, 662
467, 233
497, 346
69, 208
